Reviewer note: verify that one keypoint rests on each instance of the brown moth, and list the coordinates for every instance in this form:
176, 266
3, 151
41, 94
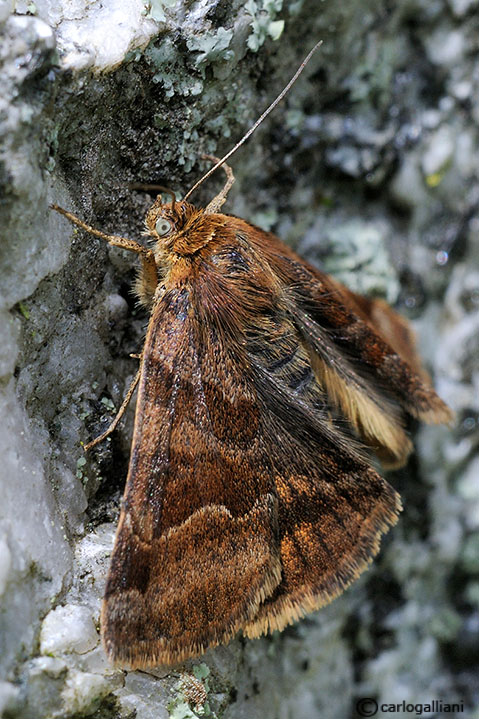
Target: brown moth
250, 499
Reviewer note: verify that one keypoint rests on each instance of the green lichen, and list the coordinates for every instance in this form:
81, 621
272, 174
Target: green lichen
354, 245
294, 119
266, 219
470, 555
472, 593
79, 474
183, 74
295, 8
212, 46
24, 310
106, 402
445, 625
264, 23
155, 9
185, 152
434, 179
371, 80
171, 71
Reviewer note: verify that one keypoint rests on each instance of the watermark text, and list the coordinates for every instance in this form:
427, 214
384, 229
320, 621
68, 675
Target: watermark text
368, 707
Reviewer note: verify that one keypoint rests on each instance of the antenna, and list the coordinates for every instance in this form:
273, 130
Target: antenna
258, 121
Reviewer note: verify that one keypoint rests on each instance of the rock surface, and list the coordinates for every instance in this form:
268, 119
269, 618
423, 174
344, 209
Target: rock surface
370, 169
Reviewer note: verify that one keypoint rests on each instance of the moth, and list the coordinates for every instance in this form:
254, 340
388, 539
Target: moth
263, 387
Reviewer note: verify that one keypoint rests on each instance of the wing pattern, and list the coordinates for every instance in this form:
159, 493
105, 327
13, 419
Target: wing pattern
249, 501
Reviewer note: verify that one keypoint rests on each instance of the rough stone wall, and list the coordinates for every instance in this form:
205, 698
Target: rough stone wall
370, 168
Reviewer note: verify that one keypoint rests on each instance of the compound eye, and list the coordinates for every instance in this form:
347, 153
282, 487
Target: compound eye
163, 226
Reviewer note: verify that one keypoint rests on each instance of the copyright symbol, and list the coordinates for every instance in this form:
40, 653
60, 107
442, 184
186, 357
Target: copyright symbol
366, 707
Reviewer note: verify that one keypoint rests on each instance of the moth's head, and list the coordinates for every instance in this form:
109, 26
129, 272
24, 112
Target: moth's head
179, 227
166, 220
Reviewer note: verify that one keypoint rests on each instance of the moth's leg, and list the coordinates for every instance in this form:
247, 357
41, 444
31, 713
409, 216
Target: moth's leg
218, 201
147, 256
150, 274
119, 414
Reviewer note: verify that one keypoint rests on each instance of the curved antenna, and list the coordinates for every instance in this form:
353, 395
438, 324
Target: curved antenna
258, 121
147, 188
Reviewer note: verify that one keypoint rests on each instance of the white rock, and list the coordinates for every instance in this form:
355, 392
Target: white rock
407, 187
439, 152
468, 487
83, 692
96, 662
462, 90
105, 32
5, 563
8, 696
51, 666
445, 47
7, 7
34, 27
66, 629
145, 695
430, 119
461, 7
30, 524
8, 345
